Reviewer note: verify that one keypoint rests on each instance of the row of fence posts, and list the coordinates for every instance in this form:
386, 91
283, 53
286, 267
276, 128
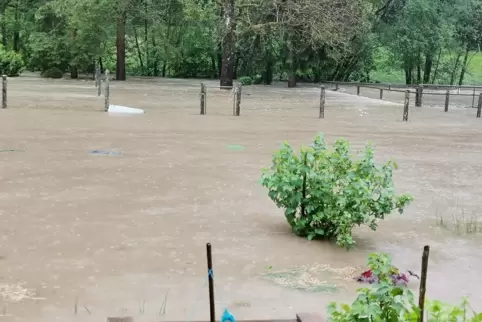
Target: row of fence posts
419, 97
237, 91
406, 103
238, 94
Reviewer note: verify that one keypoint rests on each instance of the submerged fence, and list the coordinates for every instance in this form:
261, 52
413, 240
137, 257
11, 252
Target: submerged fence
427, 95
325, 101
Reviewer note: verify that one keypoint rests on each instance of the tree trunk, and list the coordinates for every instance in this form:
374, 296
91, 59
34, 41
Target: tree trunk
16, 32
220, 59
139, 54
155, 63
437, 64
214, 69
74, 73
335, 73
427, 71
227, 65
419, 70
146, 39
292, 69
120, 72
4, 30
268, 67
464, 65
408, 72
454, 71
101, 65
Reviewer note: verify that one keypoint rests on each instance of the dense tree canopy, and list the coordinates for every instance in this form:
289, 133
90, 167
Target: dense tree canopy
429, 40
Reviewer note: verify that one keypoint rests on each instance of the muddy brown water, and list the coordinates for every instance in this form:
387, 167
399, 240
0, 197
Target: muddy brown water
114, 234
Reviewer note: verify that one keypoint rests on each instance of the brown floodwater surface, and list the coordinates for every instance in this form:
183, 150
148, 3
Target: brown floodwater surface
94, 235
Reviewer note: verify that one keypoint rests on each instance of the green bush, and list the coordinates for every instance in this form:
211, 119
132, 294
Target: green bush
386, 302
326, 193
11, 63
245, 80
257, 79
53, 72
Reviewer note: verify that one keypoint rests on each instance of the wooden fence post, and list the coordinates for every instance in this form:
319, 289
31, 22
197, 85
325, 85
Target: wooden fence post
405, 106
336, 87
418, 96
479, 106
358, 90
381, 93
238, 99
322, 102
473, 98
203, 99
97, 76
447, 100
423, 282
98, 81
106, 91
4, 91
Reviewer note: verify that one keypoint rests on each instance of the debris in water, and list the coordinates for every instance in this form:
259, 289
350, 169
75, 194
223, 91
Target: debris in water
102, 152
235, 147
11, 150
311, 278
17, 293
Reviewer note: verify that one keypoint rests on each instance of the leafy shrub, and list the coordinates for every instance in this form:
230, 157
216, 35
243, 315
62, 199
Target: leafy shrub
326, 193
388, 302
245, 80
11, 63
53, 72
257, 79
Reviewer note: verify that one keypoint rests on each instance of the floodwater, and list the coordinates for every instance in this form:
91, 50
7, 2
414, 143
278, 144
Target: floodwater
92, 236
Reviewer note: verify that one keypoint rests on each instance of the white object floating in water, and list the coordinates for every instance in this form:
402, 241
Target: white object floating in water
124, 110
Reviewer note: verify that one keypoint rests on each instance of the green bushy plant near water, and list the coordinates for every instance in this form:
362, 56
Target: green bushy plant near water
386, 302
245, 80
53, 72
11, 63
257, 79
326, 192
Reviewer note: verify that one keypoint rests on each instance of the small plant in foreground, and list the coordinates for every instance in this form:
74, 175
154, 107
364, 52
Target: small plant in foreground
386, 302
325, 192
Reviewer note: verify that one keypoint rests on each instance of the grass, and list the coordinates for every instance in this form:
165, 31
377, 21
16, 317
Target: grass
386, 72
460, 223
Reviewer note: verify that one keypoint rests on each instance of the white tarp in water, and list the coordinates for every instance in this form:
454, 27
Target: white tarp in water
124, 110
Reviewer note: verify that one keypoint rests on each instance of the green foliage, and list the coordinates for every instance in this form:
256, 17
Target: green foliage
325, 192
245, 80
183, 38
53, 72
11, 63
257, 79
386, 302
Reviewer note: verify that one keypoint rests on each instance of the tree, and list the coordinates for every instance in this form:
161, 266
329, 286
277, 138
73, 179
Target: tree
228, 43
